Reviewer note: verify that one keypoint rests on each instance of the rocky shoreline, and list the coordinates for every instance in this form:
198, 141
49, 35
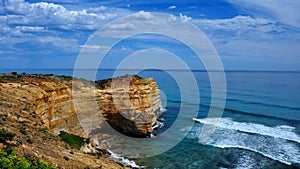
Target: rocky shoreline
39, 106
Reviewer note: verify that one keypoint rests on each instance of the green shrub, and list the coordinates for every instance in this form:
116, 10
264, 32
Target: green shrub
9, 160
44, 130
6, 135
72, 140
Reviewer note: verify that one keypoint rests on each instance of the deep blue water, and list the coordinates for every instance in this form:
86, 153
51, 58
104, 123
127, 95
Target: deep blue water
259, 128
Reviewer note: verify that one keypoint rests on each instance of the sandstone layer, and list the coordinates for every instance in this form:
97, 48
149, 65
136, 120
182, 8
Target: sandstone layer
130, 104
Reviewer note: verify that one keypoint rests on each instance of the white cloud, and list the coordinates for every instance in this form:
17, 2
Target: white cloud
121, 26
57, 16
218, 30
22, 22
242, 35
238, 23
284, 11
3, 26
143, 15
260, 55
31, 29
184, 17
94, 47
171, 7
241, 27
96, 9
17, 20
68, 44
123, 50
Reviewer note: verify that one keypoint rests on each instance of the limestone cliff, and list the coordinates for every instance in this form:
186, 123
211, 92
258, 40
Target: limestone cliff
45, 97
129, 104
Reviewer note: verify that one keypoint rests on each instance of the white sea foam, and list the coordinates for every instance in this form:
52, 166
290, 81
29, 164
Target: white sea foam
119, 159
162, 110
158, 125
285, 127
283, 132
254, 150
161, 119
278, 143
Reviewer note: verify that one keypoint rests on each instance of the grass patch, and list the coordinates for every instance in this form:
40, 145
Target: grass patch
71, 139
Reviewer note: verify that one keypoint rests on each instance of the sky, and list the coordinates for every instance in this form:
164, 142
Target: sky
247, 34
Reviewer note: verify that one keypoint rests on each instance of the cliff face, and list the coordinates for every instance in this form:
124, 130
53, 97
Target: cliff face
129, 104
47, 99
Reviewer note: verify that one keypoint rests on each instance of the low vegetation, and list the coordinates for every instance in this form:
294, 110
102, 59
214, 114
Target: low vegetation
72, 140
6, 136
9, 159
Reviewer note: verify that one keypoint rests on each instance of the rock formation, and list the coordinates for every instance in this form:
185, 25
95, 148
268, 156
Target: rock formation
130, 104
38, 107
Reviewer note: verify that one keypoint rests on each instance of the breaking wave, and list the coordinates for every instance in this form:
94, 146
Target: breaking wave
279, 143
283, 132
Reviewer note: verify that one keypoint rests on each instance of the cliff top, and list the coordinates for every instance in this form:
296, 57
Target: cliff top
39, 78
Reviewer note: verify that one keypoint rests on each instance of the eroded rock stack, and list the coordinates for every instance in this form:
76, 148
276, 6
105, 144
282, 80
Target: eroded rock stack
131, 104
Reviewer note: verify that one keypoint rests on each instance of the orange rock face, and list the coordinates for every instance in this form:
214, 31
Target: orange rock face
129, 104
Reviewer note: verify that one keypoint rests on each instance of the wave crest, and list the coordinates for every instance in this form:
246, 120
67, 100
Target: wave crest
279, 143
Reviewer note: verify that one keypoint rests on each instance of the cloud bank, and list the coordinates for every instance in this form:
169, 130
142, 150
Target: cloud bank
285, 11
56, 30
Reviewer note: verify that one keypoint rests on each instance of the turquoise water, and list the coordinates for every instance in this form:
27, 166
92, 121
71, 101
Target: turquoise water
260, 125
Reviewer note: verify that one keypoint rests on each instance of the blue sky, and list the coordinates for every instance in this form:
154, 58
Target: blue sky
248, 34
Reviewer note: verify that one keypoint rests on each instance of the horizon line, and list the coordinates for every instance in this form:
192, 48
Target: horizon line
196, 70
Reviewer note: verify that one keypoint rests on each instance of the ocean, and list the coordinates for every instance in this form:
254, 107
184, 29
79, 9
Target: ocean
259, 127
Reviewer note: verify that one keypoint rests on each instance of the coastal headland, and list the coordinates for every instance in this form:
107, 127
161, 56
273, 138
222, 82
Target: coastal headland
42, 110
